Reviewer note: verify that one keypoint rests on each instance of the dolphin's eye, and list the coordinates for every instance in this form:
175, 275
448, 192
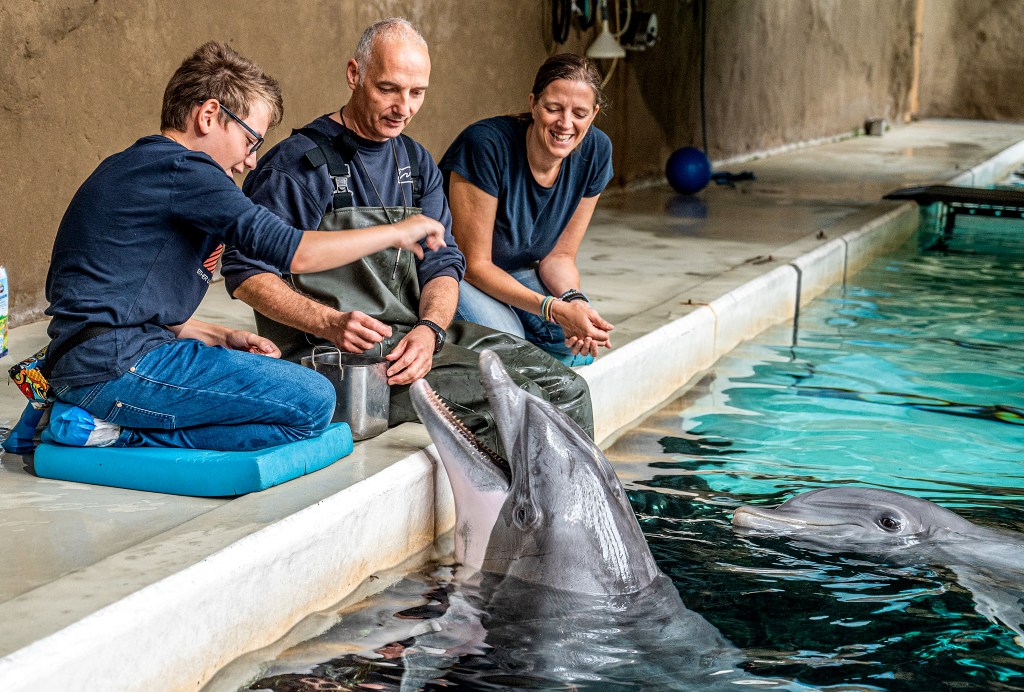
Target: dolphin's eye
890, 523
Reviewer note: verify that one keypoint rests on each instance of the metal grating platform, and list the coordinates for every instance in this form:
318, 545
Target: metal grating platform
959, 201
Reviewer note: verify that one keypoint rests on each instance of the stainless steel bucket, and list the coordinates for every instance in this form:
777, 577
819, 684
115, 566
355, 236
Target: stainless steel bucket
361, 385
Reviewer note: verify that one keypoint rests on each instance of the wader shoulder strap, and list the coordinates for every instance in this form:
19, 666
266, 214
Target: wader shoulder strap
336, 153
417, 179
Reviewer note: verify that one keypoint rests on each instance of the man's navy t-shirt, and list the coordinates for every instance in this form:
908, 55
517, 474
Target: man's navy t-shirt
491, 154
136, 250
286, 184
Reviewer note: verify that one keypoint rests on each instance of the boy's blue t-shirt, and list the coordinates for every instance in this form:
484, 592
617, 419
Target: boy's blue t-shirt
491, 154
136, 251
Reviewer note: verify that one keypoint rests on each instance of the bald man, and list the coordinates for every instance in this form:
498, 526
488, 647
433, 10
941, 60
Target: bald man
355, 169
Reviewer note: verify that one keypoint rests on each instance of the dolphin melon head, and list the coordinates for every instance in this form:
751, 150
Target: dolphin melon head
849, 516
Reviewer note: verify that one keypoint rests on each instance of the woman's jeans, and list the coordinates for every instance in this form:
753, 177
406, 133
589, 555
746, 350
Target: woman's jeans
477, 306
188, 394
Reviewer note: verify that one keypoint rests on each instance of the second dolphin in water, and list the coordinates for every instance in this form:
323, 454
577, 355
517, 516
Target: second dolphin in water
906, 530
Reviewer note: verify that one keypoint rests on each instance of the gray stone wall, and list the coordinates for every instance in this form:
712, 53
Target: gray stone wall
972, 59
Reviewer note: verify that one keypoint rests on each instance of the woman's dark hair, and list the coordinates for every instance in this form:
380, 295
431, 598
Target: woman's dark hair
575, 68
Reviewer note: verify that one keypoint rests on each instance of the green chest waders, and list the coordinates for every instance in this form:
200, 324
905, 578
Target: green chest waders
385, 286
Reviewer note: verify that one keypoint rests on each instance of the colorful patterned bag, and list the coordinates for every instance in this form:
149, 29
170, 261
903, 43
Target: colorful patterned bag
30, 380
33, 385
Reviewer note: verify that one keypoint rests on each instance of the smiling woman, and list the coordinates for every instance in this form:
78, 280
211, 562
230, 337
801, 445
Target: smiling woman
522, 190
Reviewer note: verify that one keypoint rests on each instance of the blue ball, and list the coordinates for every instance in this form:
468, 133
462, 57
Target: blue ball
688, 170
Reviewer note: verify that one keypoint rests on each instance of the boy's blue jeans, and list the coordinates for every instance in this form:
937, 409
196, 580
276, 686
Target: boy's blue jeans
477, 306
188, 394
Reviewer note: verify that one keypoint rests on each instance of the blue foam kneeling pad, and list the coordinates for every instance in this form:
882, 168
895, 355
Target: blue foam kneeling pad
198, 472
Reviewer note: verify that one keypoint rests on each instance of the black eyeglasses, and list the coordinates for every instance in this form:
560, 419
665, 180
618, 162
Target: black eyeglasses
259, 140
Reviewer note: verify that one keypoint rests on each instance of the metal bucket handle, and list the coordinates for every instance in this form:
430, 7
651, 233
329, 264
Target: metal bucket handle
362, 393
318, 349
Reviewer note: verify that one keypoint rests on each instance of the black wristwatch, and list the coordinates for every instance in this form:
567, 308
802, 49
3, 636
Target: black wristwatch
438, 332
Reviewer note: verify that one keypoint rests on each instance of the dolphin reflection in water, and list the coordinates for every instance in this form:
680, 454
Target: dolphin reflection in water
905, 530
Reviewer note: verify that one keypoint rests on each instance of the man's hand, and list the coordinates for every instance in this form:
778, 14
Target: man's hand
356, 331
413, 357
410, 231
240, 340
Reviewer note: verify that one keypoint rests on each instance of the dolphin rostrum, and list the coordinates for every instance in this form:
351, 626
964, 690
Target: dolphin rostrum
557, 565
907, 530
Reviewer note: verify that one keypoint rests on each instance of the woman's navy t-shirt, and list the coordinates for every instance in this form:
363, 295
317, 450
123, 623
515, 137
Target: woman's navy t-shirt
137, 248
491, 154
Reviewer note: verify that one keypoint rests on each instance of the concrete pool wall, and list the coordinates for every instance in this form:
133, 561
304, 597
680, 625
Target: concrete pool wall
172, 611
725, 311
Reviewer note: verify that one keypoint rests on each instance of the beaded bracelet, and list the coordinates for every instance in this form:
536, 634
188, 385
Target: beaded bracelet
573, 294
545, 308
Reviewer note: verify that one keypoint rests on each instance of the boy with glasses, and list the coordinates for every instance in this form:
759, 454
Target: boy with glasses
135, 254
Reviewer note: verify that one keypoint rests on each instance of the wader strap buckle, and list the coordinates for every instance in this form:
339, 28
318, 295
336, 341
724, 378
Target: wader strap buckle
337, 152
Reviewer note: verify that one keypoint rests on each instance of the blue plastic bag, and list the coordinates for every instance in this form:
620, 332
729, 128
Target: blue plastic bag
22, 437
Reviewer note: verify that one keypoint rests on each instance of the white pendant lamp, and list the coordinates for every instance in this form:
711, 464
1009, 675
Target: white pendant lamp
605, 46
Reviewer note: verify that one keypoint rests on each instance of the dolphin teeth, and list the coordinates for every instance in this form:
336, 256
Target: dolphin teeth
446, 411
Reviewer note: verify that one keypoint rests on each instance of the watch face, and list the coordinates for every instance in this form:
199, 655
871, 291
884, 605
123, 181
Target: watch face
439, 334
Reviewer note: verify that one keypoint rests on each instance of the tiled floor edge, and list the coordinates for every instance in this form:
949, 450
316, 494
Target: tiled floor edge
992, 170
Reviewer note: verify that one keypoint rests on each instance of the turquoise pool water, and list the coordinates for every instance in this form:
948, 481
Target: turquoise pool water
910, 378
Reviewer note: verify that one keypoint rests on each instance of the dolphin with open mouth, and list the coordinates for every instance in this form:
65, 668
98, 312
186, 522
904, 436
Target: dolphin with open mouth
559, 572
905, 530
554, 512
